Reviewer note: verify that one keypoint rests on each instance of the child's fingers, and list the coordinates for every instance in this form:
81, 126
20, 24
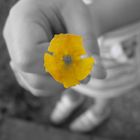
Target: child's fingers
39, 85
98, 72
26, 38
33, 62
78, 21
86, 80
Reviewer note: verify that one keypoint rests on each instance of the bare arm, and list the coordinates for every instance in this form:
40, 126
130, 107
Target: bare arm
113, 14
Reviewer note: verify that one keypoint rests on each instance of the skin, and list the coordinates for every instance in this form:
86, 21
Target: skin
31, 25
113, 14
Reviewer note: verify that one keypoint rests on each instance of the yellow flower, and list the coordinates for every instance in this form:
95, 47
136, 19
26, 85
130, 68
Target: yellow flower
64, 60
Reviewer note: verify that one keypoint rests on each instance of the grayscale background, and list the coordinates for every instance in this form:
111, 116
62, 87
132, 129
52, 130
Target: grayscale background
25, 117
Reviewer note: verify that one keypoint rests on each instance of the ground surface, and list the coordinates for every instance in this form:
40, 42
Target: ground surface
24, 117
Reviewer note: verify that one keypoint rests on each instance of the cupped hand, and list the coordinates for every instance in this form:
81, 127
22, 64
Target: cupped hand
31, 25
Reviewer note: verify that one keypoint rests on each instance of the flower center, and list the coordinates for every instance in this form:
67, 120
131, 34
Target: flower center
67, 59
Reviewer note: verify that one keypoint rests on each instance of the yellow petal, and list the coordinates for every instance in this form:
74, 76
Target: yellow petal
68, 77
52, 65
70, 44
75, 45
69, 74
83, 67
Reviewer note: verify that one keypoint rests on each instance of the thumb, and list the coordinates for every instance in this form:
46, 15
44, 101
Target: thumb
78, 21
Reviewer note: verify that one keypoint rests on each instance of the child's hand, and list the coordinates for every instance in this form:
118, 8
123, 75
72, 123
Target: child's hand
30, 26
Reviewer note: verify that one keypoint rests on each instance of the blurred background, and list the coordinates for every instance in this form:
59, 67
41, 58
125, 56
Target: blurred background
26, 117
